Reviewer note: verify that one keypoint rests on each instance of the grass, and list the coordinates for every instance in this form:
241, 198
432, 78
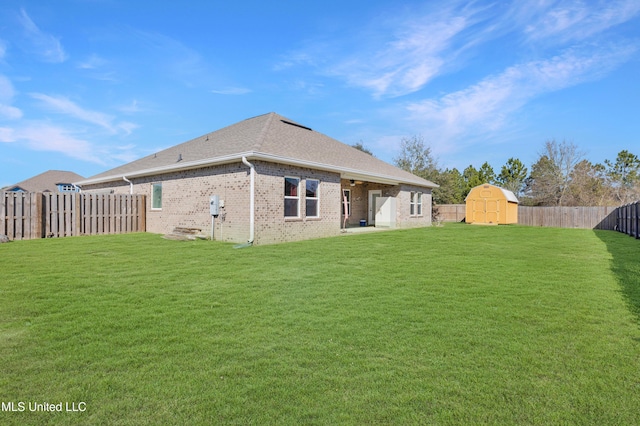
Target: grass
450, 325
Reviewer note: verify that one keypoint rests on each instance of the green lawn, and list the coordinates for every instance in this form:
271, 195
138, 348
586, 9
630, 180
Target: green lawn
445, 325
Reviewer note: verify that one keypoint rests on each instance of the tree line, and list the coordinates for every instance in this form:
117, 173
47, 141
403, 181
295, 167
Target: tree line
561, 176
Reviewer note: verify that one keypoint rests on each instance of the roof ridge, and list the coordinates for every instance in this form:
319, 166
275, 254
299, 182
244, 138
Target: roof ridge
262, 134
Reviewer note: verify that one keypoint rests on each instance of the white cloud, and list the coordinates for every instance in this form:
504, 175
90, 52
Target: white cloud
578, 20
6, 97
46, 46
401, 53
43, 136
413, 56
65, 106
92, 62
127, 127
7, 135
488, 105
10, 112
95, 67
40, 136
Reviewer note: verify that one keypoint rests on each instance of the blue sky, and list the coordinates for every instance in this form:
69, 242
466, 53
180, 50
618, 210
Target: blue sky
86, 85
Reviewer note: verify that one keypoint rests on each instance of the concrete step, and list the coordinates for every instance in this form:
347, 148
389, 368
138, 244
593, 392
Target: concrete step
185, 234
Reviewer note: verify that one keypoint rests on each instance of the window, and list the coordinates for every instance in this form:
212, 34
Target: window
416, 204
346, 193
156, 196
291, 197
312, 198
66, 187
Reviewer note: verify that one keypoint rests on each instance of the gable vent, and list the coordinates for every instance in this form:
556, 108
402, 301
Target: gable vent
297, 125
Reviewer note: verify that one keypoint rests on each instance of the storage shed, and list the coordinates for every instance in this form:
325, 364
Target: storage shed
490, 204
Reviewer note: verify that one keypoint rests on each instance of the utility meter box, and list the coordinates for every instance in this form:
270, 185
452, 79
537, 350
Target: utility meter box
214, 205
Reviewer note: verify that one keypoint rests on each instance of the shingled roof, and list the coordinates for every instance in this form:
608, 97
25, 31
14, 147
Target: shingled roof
47, 181
270, 137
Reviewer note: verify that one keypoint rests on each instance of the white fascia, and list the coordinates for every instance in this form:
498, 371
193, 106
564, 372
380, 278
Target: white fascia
345, 172
186, 165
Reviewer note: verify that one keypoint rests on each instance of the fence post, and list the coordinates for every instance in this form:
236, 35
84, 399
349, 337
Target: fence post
637, 208
142, 213
3, 213
35, 213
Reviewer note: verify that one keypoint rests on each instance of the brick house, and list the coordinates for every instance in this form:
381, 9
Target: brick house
276, 180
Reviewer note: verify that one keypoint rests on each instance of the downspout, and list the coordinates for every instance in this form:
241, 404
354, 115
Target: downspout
251, 199
130, 184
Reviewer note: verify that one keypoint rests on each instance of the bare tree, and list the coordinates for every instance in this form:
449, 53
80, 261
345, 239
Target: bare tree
550, 179
416, 158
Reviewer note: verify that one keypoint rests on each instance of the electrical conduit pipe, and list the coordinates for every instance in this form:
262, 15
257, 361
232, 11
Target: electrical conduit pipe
251, 199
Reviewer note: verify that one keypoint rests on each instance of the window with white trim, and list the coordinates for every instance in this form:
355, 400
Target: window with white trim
156, 196
291, 197
416, 204
312, 198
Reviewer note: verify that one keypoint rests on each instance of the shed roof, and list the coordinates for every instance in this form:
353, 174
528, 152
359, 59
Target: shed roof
269, 137
510, 196
47, 181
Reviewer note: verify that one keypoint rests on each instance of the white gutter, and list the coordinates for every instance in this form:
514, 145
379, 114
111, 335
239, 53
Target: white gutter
251, 199
130, 184
188, 165
345, 172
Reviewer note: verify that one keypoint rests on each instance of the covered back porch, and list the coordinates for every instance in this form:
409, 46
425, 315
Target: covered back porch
359, 201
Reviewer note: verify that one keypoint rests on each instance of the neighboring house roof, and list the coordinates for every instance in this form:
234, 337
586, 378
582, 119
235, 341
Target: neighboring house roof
47, 181
270, 137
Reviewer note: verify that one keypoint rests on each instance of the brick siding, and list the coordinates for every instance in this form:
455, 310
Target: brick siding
185, 202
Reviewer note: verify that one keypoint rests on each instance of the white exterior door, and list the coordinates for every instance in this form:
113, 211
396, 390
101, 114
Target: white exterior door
373, 195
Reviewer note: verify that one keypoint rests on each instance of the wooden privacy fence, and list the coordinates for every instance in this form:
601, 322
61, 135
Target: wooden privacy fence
568, 217
451, 212
558, 217
628, 219
33, 215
